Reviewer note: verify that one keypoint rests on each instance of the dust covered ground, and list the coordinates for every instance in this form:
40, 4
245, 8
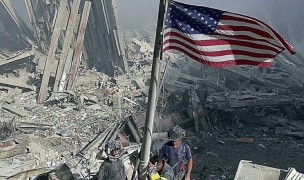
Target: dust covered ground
217, 155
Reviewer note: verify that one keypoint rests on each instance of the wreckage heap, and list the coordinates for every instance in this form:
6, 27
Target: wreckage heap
69, 82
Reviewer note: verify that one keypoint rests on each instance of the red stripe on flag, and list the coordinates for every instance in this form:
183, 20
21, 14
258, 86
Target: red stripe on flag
213, 42
259, 23
245, 28
221, 53
245, 37
225, 63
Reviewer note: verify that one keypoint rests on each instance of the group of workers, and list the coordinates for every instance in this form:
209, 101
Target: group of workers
173, 161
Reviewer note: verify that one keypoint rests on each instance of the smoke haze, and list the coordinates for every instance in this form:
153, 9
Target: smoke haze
287, 17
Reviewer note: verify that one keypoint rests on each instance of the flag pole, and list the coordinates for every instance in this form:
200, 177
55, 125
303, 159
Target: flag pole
147, 139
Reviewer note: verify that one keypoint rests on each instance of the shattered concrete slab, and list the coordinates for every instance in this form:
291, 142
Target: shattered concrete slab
248, 170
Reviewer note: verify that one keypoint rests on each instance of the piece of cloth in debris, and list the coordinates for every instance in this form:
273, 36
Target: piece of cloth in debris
167, 172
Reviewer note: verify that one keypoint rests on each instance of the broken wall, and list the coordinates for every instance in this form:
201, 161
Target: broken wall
103, 47
104, 43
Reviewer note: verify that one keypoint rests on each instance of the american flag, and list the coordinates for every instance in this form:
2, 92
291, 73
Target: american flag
220, 38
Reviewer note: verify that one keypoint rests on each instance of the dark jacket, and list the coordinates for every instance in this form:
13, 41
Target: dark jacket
113, 170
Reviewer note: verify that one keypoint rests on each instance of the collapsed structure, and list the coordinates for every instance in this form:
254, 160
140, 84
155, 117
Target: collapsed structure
68, 85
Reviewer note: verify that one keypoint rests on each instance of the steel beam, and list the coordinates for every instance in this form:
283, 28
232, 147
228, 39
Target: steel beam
79, 42
51, 53
67, 43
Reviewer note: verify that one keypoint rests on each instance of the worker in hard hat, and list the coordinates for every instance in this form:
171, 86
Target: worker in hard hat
177, 154
113, 166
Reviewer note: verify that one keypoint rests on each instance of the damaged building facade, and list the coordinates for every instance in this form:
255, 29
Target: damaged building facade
70, 81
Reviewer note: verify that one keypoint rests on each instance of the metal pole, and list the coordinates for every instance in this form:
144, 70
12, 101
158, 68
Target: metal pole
162, 82
147, 139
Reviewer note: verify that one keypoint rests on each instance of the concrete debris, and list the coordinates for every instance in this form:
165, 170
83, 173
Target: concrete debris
7, 130
72, 80
248, 170
62, 172
244, 140
13, 110
28, 174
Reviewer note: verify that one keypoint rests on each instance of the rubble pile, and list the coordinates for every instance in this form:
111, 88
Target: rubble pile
67, 86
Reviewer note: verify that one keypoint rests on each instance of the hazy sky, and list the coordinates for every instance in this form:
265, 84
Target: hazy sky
285, 16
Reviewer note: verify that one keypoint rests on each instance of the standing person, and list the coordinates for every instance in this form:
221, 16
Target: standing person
159, 169
177, 154
113, 166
